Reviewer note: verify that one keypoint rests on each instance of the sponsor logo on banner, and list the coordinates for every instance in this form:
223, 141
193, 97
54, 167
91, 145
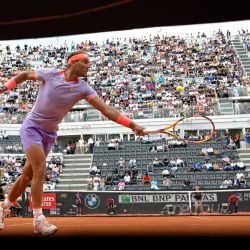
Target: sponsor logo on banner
92, 201
48, 201
158, 198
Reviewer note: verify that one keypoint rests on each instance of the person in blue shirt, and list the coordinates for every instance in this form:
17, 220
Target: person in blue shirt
247, 138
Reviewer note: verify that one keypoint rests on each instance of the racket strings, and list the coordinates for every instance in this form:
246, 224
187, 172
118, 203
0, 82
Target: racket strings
195, 129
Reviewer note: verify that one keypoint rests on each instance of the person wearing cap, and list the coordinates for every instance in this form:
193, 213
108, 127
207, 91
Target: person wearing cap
38, 131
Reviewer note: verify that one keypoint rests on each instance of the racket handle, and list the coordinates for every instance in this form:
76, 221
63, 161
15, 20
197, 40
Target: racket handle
150, 132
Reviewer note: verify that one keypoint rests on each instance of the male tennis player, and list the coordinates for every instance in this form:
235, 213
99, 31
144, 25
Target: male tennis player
59, 91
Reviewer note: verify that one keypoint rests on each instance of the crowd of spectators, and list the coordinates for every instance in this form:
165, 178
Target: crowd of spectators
11, 167
53, 171
139, 76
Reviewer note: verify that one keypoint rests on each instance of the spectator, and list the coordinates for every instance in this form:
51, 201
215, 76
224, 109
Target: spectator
146, 179
78, 202
247, 138
90, 183
216, 166
132, 163
93, 170
108, 180
96, 184
237, 140
166, 182
91, 145
233, 203
81, 145
242, 181
208, 166
156, 163
240, 165
165, 173
112, 145
236, 182
112, 208
197, 167
186, 184
121, 184
154, 184
150, 168
121, 163
227, 183
127, 178
231, 144
197, 196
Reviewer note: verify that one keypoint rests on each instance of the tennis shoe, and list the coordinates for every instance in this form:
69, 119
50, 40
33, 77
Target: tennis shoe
42, 226
3, 213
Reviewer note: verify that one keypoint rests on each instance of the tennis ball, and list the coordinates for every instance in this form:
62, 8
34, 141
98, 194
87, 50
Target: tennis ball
179, 89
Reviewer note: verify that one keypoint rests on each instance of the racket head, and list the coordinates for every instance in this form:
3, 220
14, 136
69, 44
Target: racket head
192, 123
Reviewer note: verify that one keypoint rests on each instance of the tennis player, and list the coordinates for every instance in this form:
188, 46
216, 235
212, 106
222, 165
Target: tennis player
59, 91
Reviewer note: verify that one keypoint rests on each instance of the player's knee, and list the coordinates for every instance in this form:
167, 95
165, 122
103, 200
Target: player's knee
39, 173
27, 177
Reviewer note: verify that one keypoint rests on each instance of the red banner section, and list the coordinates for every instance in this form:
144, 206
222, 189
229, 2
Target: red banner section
48, 202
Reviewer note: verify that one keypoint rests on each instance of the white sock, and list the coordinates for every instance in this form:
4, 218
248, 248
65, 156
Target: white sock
37, 212
6, 203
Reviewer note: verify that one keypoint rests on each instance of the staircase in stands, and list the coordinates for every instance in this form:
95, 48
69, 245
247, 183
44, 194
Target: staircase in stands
245, 59
75, 172
245, 157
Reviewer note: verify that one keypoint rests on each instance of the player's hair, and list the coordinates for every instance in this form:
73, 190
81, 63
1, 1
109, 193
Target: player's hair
73, 54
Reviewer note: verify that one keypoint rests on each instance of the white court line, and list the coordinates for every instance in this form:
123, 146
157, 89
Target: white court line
19, 224
202, 218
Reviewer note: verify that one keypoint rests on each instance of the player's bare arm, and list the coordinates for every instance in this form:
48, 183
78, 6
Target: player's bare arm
10, 84
114, 115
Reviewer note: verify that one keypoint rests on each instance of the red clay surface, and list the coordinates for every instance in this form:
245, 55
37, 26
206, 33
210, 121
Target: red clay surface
153, 226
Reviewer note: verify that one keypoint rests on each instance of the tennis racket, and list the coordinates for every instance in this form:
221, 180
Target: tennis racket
191, 123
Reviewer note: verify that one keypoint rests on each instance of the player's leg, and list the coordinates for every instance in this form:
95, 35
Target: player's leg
37, 158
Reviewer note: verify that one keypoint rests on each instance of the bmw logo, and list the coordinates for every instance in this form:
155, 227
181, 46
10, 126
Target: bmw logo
92, 201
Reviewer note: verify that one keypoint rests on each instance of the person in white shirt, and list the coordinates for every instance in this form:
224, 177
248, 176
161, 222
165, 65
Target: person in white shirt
127, 178
91, 145
97, 177
233, 165
92, 170
179, 162
204, 151
96, 185
165, 172
240, 165
226, 183
238, 175
132, 163
210, 151
81, 146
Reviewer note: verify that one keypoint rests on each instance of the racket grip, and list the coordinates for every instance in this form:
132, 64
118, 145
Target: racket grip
150, 132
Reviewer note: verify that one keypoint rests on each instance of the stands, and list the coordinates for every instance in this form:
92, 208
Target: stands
189, 154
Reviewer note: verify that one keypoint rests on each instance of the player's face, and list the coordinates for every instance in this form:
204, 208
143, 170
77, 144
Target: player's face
82, 66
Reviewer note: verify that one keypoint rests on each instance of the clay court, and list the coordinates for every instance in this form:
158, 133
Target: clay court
136, 226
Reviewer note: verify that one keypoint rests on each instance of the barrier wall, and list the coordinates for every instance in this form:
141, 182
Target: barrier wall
63, 203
